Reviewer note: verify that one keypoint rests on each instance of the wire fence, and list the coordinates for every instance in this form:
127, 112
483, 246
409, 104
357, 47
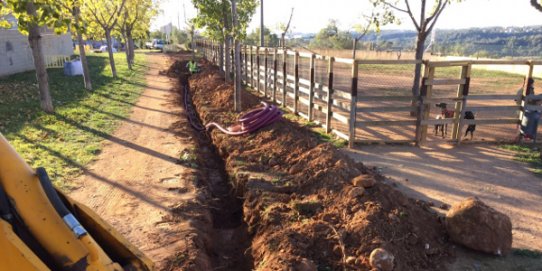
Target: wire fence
373, 100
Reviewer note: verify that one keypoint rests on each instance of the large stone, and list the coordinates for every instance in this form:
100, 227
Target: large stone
479, 227
365, 181
381, 260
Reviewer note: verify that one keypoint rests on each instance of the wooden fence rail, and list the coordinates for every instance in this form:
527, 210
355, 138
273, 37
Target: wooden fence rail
278, 75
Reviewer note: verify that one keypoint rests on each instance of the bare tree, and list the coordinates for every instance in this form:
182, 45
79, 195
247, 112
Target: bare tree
284, 29
424, 25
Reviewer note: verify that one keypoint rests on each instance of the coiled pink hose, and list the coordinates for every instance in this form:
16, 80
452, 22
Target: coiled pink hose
248, 123
253, 120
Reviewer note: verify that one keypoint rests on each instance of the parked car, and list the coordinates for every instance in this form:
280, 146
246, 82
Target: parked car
158, 44
155, 44
148, 45
103, 49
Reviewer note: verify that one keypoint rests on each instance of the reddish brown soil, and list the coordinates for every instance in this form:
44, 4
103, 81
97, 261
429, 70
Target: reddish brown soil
297, 201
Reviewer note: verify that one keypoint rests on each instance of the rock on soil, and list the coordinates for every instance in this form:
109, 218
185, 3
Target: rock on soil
365, 181
381, 260
479, 227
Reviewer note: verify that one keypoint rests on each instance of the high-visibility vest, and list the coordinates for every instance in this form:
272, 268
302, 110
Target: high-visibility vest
192, 66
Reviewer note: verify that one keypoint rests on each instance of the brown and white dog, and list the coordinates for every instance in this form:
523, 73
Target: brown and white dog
444, 114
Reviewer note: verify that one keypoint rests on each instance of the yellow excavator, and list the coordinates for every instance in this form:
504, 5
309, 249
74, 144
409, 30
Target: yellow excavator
43, 229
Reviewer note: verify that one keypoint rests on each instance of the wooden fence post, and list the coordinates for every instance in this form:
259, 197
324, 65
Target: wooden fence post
296, 80
241, 55
245, 60
427, 106
421, 106
329, 93
275, 75
251, 68
232, 62
311, 88
462, 92
284, 76
205, 45
258, 68
527, 88
265, 74
464, 98
353, 105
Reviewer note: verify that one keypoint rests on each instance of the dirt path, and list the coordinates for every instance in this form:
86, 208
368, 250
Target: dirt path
446, 174
137, 179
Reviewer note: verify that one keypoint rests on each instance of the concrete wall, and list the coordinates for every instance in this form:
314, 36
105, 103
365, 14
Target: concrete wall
16, 55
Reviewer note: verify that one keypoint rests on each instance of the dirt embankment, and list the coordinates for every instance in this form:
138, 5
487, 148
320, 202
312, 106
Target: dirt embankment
299, 205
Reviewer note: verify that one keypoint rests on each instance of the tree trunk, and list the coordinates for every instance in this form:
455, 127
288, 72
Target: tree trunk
110, 51
127, 51
84, 62
262, 28
221, 57
354, 47
82, 54
34, 38
192, 44
418, 69
227, 42
132, 47
227, 50
282, 40
237, 61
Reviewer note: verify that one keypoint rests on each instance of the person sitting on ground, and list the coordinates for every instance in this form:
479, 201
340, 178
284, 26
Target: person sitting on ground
192, 66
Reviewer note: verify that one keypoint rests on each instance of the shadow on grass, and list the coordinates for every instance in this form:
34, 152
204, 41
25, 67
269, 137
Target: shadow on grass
117, 140
85, 171
19, 97
82, 118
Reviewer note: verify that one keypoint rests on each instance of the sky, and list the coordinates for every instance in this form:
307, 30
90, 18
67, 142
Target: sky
312, 15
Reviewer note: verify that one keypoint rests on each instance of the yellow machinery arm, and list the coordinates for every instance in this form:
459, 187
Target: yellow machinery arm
42, 229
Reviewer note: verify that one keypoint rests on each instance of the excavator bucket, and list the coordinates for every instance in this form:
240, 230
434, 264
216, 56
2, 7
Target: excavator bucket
43, 229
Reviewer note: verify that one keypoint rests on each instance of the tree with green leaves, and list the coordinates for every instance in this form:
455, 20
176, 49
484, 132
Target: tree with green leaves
72, 10
106, 14
32, 15
216, 18
370, 23
331, 37
135, 20
254, 37
424, 21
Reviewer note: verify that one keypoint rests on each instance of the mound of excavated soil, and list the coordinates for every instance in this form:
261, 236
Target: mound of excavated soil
299, 201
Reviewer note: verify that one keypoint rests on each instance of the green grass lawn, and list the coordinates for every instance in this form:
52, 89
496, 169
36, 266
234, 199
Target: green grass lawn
64, 142
527, 154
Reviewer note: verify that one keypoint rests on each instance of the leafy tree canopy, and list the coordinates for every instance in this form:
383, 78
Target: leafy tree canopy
213, 13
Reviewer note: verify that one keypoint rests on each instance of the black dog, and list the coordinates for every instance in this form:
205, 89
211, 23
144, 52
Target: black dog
470, 116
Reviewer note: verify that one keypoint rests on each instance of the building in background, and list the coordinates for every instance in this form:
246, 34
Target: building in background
15, 52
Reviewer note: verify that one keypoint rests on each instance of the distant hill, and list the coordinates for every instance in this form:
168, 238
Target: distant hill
482, 42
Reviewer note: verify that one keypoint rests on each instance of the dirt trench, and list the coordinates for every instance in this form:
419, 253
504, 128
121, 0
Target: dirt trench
302, 209
230, 237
